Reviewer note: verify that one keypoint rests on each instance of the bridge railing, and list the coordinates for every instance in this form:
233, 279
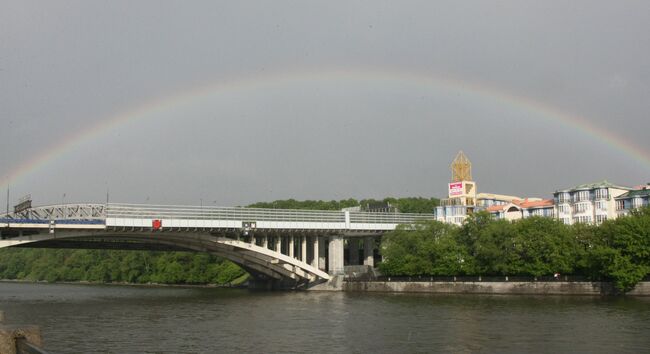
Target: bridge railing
93, 213
77, 212
387, 218
221, 213
257, 214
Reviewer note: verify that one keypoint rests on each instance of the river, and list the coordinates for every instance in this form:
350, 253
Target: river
130, 319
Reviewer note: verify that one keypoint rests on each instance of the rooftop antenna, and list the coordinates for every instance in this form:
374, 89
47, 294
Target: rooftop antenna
7, 199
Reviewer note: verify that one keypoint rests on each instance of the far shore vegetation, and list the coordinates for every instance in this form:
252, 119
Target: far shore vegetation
617, 250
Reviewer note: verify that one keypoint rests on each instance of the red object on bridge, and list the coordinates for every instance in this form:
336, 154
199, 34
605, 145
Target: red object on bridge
156, 224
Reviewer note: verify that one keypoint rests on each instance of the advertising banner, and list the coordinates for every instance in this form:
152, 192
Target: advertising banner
455, 188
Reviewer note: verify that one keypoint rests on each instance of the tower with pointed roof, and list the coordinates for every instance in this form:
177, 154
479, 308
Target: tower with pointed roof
461, 168
462, 189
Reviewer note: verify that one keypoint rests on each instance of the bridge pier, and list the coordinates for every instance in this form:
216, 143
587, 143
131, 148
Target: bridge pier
278, 244
335, 254
369, 251
322, 254
303, 248
315, 248
353, 249
291, 247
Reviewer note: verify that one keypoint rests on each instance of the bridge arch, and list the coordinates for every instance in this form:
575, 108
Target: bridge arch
262, 263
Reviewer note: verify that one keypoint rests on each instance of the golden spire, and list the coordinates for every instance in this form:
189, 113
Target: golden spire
461, 168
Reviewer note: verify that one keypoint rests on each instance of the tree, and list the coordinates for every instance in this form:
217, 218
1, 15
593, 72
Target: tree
624, 255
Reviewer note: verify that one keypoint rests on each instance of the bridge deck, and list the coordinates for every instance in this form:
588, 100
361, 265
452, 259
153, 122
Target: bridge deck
101, 216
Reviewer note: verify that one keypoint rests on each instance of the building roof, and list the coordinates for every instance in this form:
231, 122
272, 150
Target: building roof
507, 198
635, 193
587, 186
528, 204
496, 208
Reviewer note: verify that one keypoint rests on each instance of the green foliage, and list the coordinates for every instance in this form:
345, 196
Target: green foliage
623, 253
307, 204
617, 250
428, 248
116, 266
405, 205
411, 204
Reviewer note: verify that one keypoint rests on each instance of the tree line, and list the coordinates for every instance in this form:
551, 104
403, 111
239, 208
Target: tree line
617, 250
110, 266
404, 205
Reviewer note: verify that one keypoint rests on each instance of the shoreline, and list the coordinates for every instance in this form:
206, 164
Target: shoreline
554, 288
562, 288
146, 285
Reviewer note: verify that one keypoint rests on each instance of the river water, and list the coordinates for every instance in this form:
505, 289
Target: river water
126, 319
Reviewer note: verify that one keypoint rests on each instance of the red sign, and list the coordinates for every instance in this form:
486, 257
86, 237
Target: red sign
156, 224
455, 188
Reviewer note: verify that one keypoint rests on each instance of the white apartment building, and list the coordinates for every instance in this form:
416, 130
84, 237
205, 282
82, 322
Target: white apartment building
631, 200
590, 203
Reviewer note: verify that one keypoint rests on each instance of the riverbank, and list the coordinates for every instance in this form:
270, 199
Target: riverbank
233, 285
494, 287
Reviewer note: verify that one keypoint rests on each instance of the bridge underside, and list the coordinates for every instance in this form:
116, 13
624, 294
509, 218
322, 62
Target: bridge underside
274, 260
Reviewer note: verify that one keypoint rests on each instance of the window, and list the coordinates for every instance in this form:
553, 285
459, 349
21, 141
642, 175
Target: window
620, 204
601, 205
580, 196
581, 207
563, 197
582, 219
600, 218
602, 193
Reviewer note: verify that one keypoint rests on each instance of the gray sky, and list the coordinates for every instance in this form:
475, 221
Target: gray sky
357, 124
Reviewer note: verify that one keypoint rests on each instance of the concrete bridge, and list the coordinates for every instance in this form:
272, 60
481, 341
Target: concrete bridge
286, 248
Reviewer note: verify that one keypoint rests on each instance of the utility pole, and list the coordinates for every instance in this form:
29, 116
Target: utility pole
7, 216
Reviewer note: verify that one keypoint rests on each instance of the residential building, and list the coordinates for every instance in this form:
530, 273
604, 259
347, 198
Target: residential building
521, 209
633, 199
590, 203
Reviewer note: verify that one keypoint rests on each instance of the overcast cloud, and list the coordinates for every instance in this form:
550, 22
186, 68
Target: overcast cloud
65, 66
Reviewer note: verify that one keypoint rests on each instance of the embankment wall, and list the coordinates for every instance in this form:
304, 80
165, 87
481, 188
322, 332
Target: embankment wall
504, 288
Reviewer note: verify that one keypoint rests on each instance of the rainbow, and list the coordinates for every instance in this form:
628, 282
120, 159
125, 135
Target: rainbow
376, 76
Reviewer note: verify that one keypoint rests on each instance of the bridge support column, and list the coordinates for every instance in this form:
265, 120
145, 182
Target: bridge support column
291, 246
314, 259
322, 253
278, 244
353, 248
336, 255
303, 248
265, 241
369, 251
